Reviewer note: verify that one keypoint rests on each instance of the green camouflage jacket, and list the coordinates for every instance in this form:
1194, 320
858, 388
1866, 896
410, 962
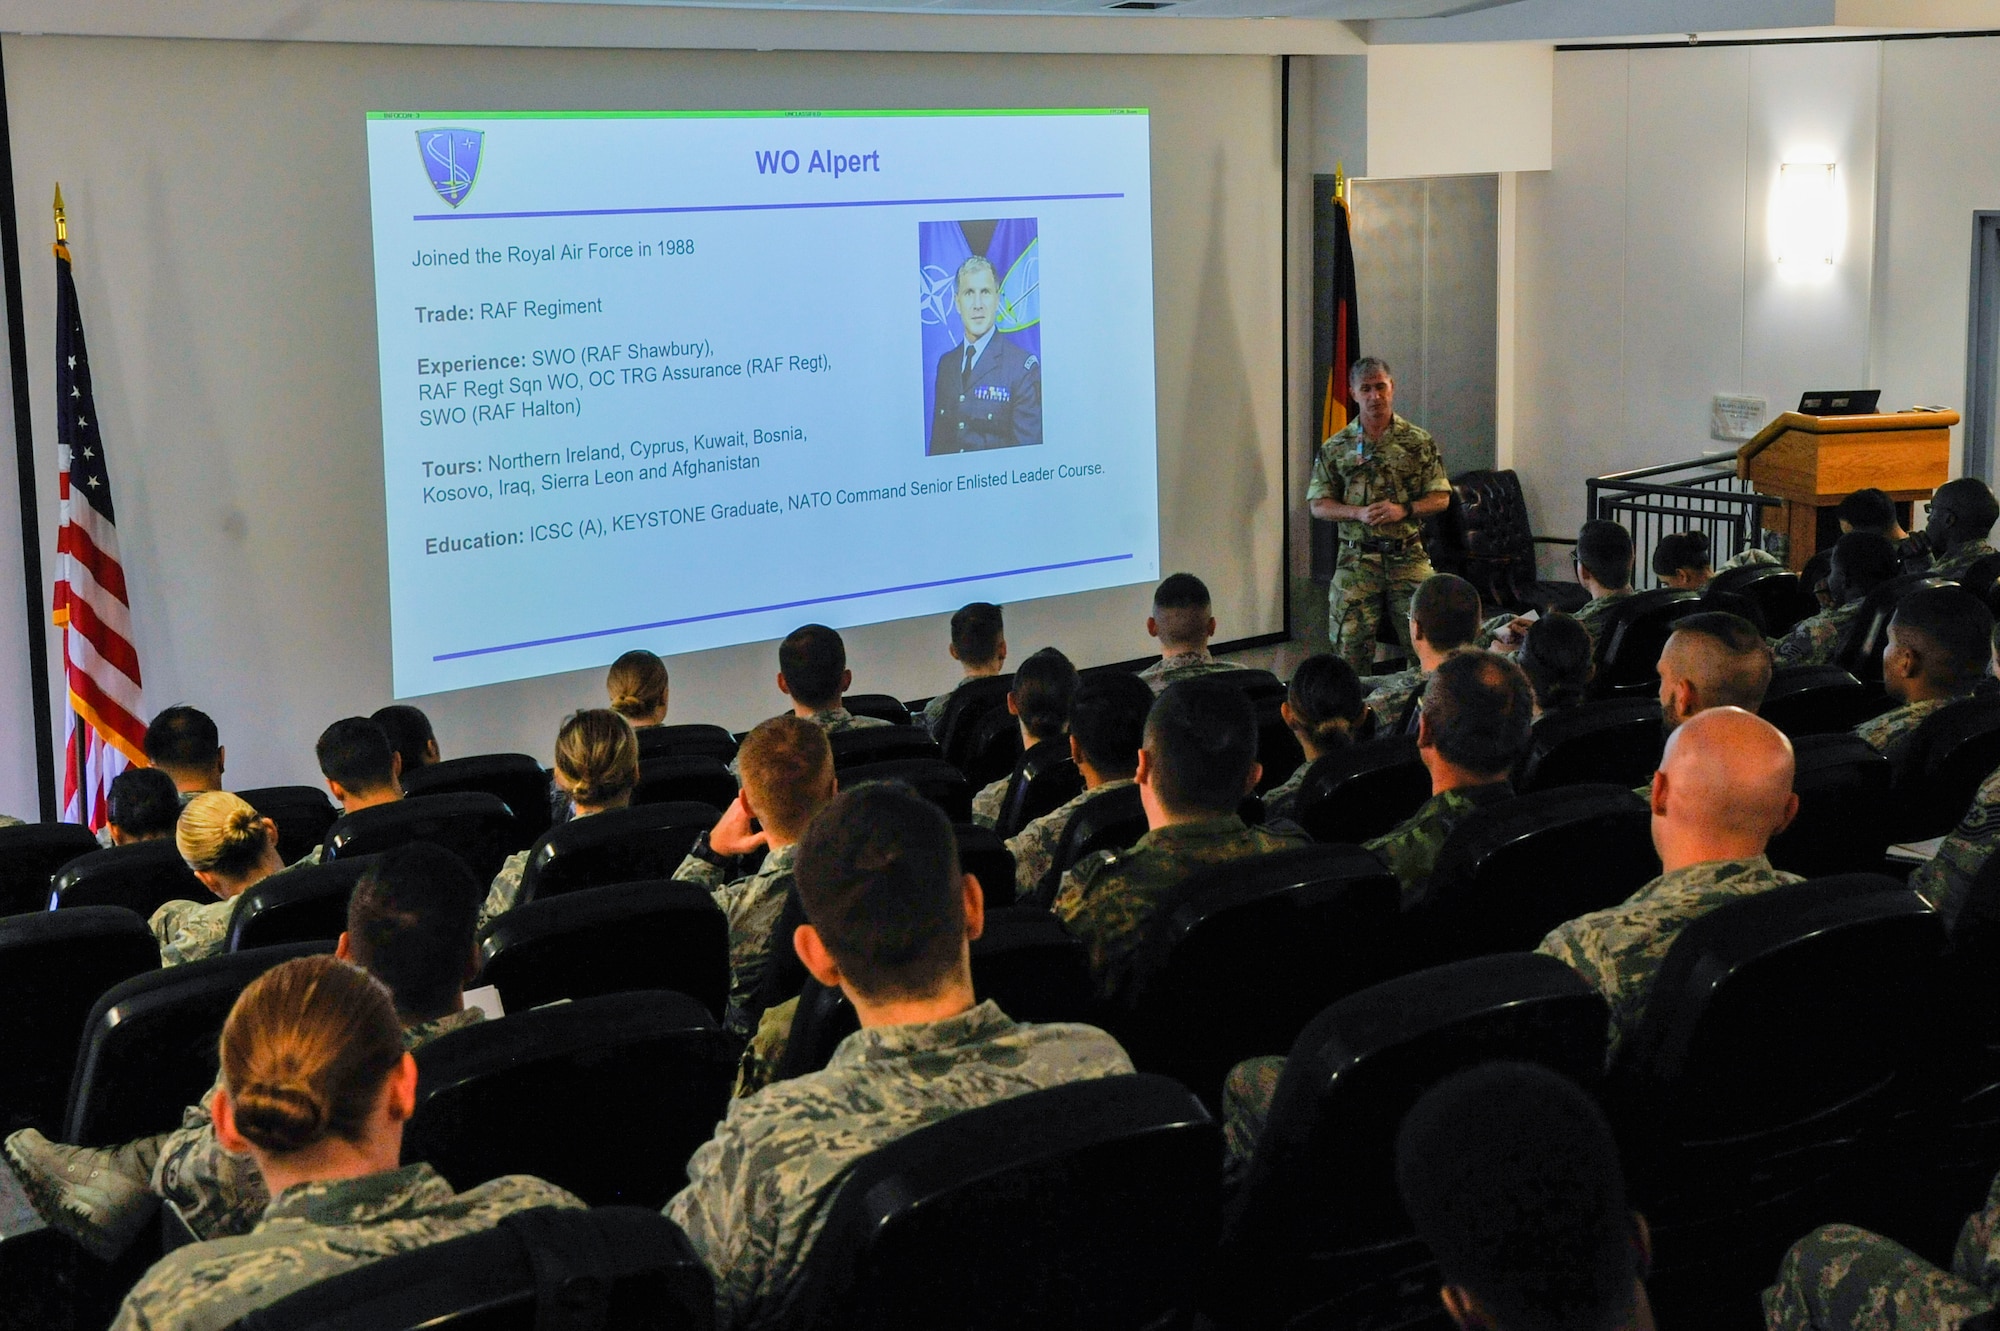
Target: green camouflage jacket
1760, 558
1183, 665
505, 894
1888, 732
191, 930
753, 905
1945, 880
314, 1231
1402, 466
1955, 564
1812, 640
1619, 950
759, 1191
986, 804
1109, 898
1034, 846
1591, 617
1280, 801
1391, 697
1410, 849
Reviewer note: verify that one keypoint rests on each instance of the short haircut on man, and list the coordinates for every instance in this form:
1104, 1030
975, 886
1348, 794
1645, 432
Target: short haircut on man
409, 732
1445, 608
1478, 711
1107, 719
1868, 510
410, 924
878, 875
812, 659
976, 630
1971, 503
1739, 657
1181, 609
355, 753
787, 764
144, 803
1202, 737
1366, 365
1951, 628
1866, 560
1605, 551
1510, 1174
968, 264
1680, 550
1044, 687
182, 737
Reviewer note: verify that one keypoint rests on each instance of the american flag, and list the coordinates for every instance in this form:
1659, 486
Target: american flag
102, 729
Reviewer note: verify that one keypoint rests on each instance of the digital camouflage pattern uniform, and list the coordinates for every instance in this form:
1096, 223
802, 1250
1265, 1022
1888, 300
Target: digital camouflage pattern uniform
753, 904
191, 930
759, 1191
1183, 665
1958, 562
1281, 801
1392, 695
933, 717
1812, 640
1888, 732
1945, 880
1401, 467
1035, 845
1109, 898
1410, 849
1619, 951
986, 804
505, 894
1591, 617
316, 1230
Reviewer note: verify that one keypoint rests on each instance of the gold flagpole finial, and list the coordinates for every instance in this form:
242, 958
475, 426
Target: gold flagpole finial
62, 219
1339, 182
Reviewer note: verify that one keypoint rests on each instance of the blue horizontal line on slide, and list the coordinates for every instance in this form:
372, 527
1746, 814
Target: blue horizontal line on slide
759, 207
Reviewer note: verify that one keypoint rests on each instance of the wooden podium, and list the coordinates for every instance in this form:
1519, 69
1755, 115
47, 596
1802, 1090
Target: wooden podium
1814, 462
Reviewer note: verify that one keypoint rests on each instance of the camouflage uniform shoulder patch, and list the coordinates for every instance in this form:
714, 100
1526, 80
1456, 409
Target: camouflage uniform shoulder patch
505, 894
191, 930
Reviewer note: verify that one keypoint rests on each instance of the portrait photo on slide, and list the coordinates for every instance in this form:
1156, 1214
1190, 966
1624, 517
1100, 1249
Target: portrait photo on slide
979, 298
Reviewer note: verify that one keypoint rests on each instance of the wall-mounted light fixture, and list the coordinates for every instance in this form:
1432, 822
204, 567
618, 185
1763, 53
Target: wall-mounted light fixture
1807, 217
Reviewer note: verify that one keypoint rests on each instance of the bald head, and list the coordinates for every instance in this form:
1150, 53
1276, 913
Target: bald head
1713, 660
1724, 788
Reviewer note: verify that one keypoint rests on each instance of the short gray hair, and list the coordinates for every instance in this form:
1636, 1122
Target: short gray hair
1367, 365
975, 261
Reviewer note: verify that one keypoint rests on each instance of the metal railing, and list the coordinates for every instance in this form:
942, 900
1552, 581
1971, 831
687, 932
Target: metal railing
1701, 494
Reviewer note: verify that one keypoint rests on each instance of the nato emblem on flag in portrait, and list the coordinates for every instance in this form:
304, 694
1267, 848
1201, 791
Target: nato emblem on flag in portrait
451, 157
979, 300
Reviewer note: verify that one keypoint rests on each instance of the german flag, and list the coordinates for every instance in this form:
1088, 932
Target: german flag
1344, 322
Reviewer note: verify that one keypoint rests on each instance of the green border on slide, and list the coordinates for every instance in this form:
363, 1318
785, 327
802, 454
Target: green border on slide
755, 115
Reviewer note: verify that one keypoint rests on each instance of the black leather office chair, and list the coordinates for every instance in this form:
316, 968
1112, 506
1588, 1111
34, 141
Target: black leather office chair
303, 905
29, 857
476, 826
302, 813
680, 779
1488, 542
639, 844
53, 966
141, 877
607, 940
1613, 740
1362, 791
1843, 822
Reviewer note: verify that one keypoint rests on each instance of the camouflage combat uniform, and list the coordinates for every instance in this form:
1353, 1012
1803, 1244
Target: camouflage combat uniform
753, 905
1591, 617
505, 894
1410, 849
1620, 950
1812, 640
986, 804
1959, 561
1748, 558
1888, 732
1401, 467
1109, 898
191, 930
316, 1230
1392, 695
1281, 800
1035, 845
1184, 665
1945, 880
759, 1191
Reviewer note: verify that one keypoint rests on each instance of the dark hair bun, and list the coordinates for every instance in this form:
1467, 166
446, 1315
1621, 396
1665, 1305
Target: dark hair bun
279, 1118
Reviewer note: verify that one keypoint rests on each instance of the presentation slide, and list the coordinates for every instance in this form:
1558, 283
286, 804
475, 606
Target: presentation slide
679, 380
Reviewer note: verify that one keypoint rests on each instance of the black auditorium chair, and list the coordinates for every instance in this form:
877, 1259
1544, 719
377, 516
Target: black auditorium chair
1089, 1205
1278, 750
1362, 791
970, 702
613, 1266
695, 741
639, 844
476, 826
641, 1078
609, 940
1249, 952
933, 778
301, 905
141, 877
302, 813
29, 857
148, 1047
1617, 740
983, 854
1512, 871
1488, 542
1818, 700
1631, 636
880, 744
1257, 685
1940, 766
881, 706
1777, 592
1778, 1033
515, 779
1043, 781
1980, 575
53, 965
1317, 1227
697, 777
1843, 821
1859, 651
1112, 821
988, 746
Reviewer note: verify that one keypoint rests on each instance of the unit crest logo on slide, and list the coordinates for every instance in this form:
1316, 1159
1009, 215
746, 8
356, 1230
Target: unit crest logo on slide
451, 156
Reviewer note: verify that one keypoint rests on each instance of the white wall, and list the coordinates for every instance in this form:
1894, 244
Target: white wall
1402, 111
19, 794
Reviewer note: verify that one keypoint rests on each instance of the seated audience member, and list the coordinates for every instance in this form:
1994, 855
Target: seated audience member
1323, 709
409, 924
1107, 725
1444, 616
144, 806
1945, 880
637, 685
316, 1088
889, 920
1724, 789
1861, 562
1555, 656
410, 735
1603, 559
597, 768
1962, 514
1872, 511
1044, 687
1939, 647
1713, 659
1510, 1175
1681, 561
813, 673
787, 772
362, 769
182, 742
231, 847
1476, 723
1198, 763
1184, 624
979, 645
